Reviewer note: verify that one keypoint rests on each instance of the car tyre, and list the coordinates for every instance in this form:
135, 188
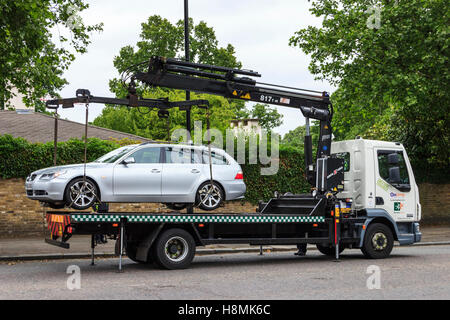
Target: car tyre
56, 205
81, 195
207, 200
176, 206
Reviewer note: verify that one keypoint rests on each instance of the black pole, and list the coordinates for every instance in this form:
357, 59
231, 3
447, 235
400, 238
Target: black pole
186, 49
55, 138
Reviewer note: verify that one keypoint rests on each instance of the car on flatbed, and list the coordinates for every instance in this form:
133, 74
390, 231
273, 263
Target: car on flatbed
176, 175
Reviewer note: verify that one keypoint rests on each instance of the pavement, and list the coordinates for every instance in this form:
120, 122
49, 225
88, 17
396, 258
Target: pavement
34, 248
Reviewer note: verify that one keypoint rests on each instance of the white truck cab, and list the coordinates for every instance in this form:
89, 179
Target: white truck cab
379, 179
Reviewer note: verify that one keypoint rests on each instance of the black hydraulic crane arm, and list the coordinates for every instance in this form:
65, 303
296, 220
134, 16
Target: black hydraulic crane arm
236, 84
84, 96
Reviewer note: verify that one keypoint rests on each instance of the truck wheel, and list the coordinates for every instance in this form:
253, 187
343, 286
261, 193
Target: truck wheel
378, 241
329, 250
174, 249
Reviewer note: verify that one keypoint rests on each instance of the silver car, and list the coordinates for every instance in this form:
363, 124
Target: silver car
176, 175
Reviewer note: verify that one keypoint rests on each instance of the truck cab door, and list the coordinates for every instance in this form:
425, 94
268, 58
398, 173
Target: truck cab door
394, 191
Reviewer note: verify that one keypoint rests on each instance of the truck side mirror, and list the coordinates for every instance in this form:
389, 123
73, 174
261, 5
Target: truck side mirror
393, 158
394, 175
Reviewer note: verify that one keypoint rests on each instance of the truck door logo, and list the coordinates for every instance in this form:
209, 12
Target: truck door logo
398, 206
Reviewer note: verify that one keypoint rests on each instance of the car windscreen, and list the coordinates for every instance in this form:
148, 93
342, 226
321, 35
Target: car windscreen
114, 155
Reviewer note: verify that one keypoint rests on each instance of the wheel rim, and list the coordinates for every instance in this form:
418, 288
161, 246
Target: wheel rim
210, 198
176, 249
379, 241
82, 193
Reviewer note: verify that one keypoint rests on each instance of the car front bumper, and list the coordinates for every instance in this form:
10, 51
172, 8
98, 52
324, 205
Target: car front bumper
50, 190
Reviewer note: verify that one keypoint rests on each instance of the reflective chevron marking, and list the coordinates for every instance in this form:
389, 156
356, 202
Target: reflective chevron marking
195, 218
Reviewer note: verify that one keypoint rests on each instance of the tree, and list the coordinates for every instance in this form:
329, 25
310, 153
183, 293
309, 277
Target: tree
146, 123
268, 117
296, 138
160, 37
390, 62
29, 60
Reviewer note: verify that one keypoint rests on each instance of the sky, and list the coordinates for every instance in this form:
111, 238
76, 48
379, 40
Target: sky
259, 30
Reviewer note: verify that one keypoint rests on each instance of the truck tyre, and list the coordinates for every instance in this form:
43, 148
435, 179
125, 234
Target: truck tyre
378, 241
328, 250
174, 249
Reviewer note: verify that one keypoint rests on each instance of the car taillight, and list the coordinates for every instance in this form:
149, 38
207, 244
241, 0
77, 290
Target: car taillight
239, 175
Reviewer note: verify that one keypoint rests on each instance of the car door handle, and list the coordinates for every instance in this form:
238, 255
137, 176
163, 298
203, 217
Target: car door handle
195, 171
156, 171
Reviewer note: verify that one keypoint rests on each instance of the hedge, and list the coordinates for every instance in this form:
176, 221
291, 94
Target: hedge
18, 158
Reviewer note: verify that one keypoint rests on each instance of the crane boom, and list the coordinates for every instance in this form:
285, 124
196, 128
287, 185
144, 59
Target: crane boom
236, 84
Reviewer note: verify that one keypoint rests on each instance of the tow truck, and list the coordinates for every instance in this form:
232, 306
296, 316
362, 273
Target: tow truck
363, 192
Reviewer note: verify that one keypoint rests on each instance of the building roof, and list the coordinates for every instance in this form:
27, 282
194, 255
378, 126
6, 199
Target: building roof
39, 127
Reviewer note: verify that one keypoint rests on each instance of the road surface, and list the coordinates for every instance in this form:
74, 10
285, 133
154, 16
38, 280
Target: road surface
420, 272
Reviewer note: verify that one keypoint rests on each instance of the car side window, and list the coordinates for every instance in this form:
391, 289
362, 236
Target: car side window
147, 155
197, 156
215, 158
178, 155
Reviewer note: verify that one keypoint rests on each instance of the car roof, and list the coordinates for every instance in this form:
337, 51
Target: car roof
176, 145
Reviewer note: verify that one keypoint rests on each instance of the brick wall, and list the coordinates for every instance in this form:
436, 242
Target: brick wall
435, 201
20, 216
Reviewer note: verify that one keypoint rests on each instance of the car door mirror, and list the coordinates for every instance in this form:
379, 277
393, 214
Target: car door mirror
128, 160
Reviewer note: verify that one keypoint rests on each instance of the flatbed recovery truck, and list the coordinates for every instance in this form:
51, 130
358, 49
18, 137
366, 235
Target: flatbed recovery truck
364, 194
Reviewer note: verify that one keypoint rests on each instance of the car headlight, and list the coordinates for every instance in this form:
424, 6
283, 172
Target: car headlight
52, 175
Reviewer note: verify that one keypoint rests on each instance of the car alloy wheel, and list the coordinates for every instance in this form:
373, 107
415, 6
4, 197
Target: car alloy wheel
81, 194
209, 198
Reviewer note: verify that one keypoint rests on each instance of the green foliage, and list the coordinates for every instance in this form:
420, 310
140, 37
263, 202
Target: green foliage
29, 60
145, 123
289, 178
268, 117
18, 157
160, 37
392, 79
296, 138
